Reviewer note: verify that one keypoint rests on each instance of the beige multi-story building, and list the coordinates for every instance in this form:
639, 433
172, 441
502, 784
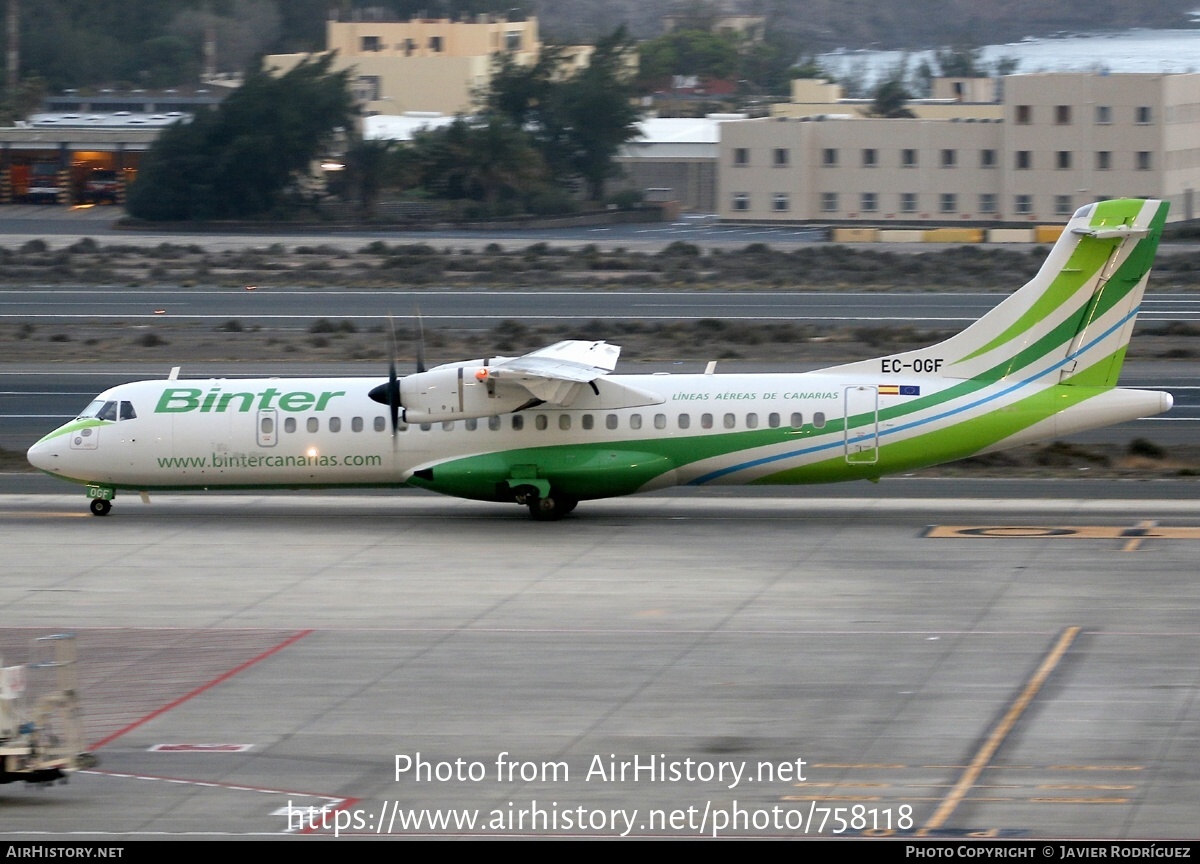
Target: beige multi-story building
425, 64
1063, 141
952, 98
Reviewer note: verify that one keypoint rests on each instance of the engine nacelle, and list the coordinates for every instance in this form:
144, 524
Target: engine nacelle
455, 392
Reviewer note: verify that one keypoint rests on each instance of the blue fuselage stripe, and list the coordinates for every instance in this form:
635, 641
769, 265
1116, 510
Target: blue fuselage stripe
999, 394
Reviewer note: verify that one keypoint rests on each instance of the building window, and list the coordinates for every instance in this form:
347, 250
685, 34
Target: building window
1143, 115
1063, 160
987, 203
369, 88
829, 202
1103, 114
908, 158
987, 158
780, 203
1103, 160
741, 201
1024, 160
870, 157
371, 43
512, 40
949, 203
949, 158
1023, 205
908, 202
435, 44
1062, 205
829, 157
1062, 115
780, 157
870, 202
1024, 115
1143, 160
741, 156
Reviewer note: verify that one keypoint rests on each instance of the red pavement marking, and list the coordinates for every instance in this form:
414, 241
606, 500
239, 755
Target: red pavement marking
296, 637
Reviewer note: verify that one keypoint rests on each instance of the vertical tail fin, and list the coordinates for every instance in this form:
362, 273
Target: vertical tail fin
1075, 316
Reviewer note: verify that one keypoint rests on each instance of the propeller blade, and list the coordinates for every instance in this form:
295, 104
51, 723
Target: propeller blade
420, 341
393, 382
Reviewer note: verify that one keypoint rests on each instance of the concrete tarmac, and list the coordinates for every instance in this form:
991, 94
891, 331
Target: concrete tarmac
674, 665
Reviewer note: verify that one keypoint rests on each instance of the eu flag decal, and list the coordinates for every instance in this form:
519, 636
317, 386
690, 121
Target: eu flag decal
899, 390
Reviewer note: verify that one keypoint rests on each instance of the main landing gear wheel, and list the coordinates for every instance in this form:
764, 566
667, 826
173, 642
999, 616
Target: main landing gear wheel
100, 507
551, 508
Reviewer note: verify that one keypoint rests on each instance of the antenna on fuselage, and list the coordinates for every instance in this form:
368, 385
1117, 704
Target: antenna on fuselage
174, 373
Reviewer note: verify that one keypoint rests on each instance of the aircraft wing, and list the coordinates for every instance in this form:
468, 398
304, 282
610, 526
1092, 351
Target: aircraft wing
557, 373
572, 360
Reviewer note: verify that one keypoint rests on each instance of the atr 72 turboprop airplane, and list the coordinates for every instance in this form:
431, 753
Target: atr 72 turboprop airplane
555, 427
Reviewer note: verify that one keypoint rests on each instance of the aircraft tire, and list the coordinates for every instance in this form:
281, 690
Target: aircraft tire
100, 507
551, 508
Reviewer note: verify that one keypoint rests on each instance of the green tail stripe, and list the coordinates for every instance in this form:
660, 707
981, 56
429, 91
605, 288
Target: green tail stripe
1085, 262
1087, 259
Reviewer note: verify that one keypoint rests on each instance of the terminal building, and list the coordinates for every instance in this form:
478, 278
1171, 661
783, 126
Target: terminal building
423, 64
1053, 143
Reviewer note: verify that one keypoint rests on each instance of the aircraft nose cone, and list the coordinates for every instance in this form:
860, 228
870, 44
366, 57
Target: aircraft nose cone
39, 456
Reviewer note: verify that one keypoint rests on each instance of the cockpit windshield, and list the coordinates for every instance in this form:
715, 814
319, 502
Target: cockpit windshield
91, 410
100, 409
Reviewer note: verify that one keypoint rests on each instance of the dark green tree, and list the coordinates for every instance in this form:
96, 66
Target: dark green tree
596, 111
890, 99
689, 52
367, 172
238, 160
487, 160
577, 123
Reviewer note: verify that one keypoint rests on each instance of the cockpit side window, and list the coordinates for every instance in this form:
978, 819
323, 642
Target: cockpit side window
108, 412
127, 412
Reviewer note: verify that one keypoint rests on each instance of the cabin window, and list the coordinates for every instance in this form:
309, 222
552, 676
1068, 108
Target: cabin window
660, 421
564, 422
541, 422
268, 425
635, 421
705, 421
518, 422
127, 412
494, 423
379, 424
797, 419
751, 421
610, 422
588, 421
773, 420
472, 424
335, 424
685, 421
313, 424
356, 424
447, 425
730, 421
819, 420
289, 424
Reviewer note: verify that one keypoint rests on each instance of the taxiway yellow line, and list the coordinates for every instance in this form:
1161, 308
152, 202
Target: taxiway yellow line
1001, 731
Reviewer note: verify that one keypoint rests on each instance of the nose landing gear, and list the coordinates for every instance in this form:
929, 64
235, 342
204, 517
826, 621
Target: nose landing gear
101, 499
